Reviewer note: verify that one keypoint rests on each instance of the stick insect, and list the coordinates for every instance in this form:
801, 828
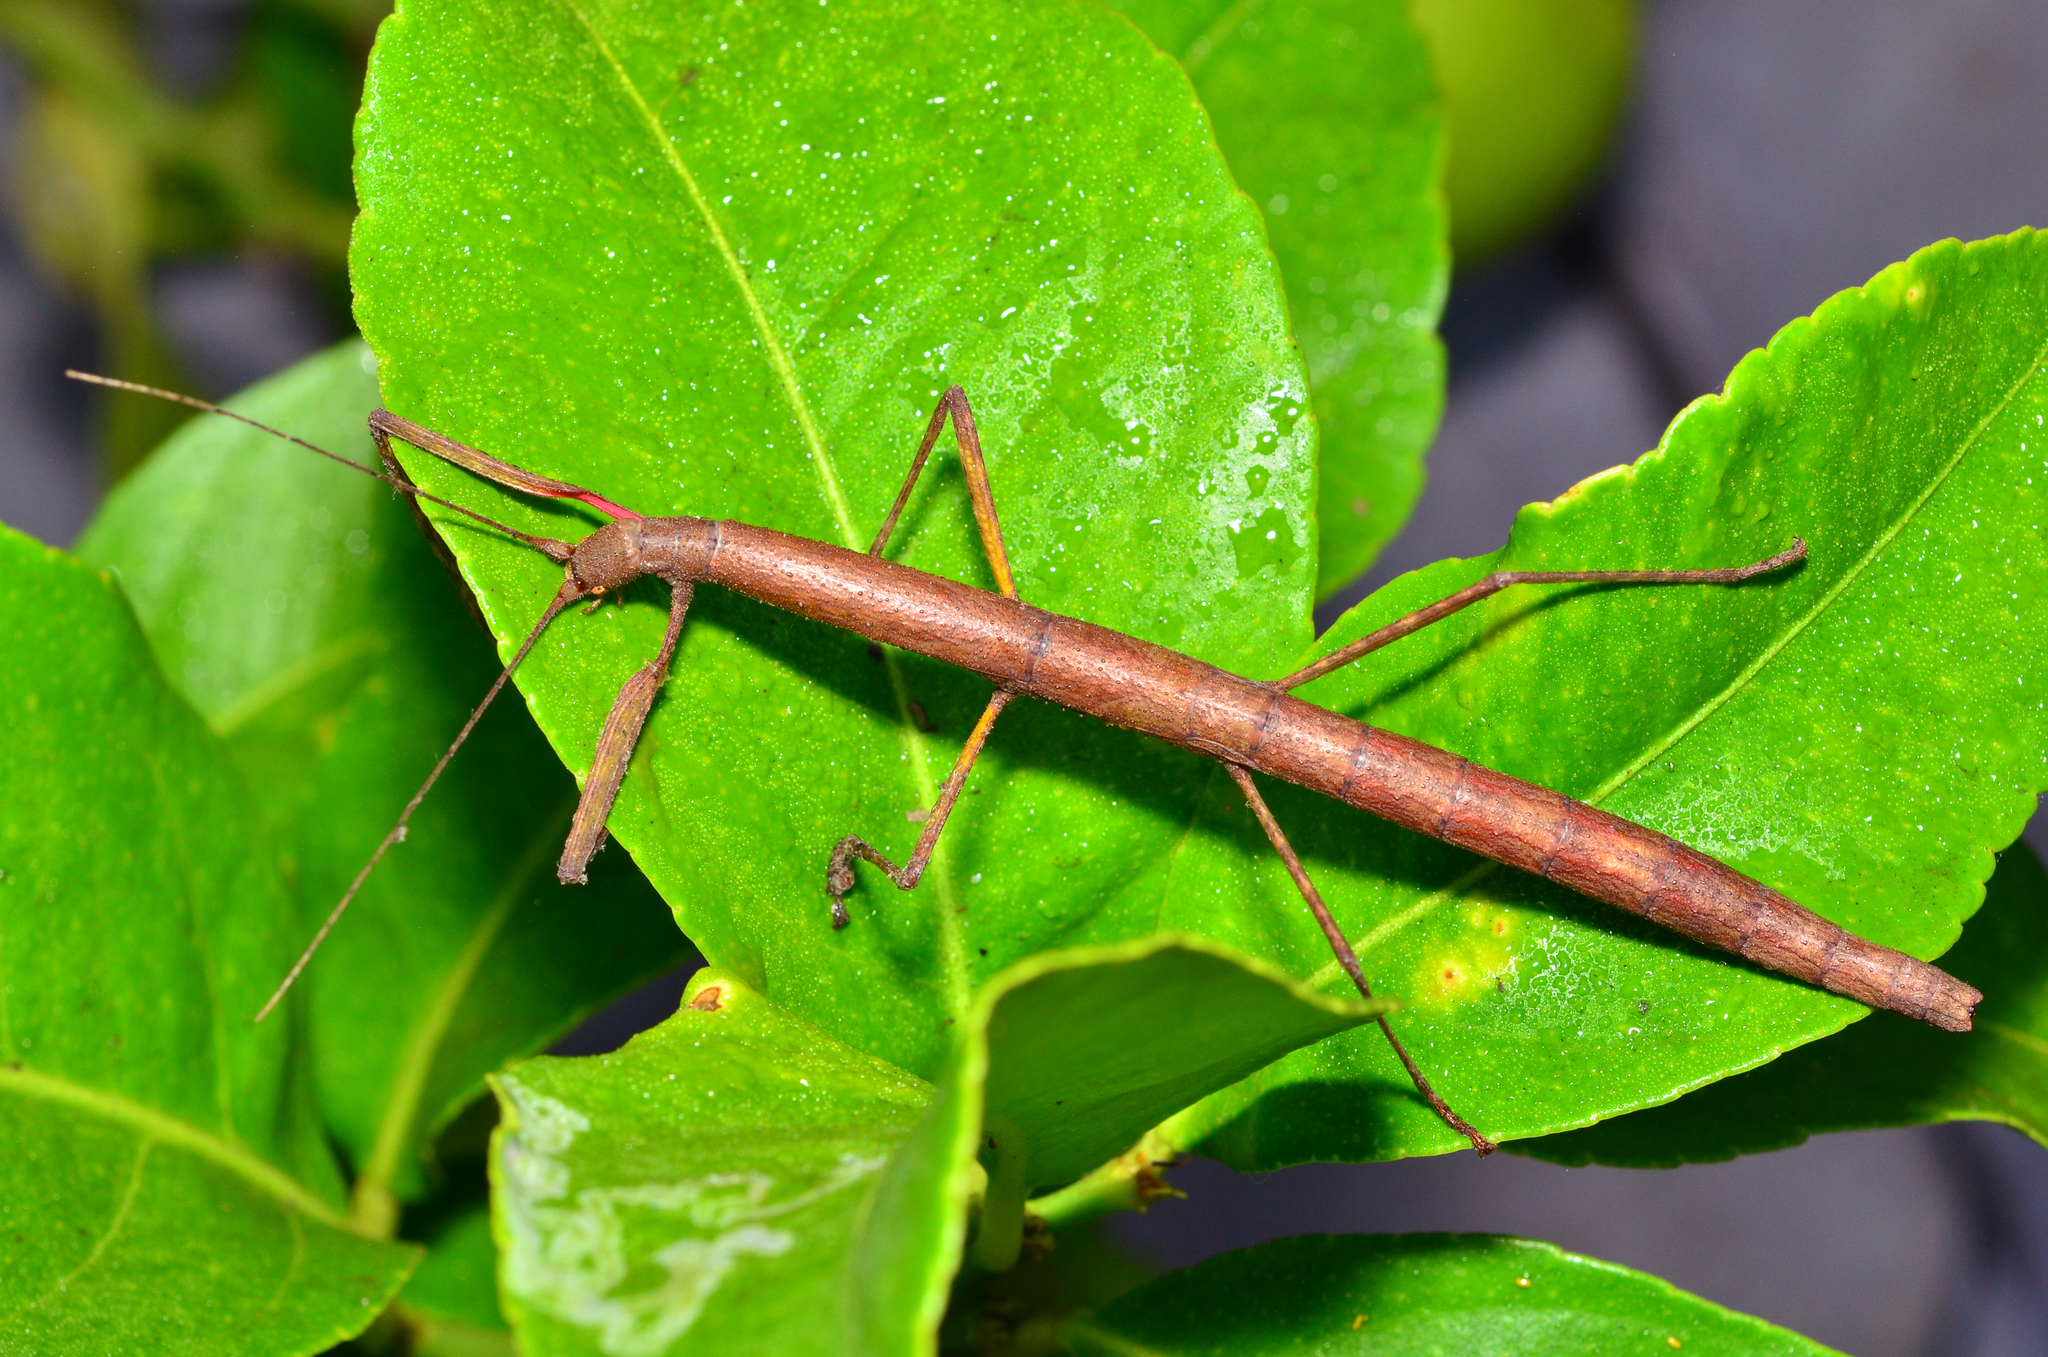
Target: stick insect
1248, 726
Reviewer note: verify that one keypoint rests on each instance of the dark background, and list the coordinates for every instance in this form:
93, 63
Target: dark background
1773, 154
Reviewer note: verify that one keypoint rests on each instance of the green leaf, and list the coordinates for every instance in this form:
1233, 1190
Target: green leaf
723, 260
1862, 733
1328, 114
1884, 1071
734, 1175
166, 1185
298, 606
739, 1177
450, 1304
1150, 1023
1394, 1295
693, 377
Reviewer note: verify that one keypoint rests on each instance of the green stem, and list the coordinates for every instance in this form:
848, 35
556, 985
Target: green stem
1000, 1237
1130, 1182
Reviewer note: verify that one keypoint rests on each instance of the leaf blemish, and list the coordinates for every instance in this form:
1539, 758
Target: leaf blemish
710, 999
1469, 968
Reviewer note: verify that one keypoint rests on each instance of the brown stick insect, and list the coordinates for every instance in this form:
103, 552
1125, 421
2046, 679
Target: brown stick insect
1246, 725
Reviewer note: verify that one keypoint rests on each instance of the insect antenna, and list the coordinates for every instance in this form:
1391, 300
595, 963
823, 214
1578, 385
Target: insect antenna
548, 546
566, 595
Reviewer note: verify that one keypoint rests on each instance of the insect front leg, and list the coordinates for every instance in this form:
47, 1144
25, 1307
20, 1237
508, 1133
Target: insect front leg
614, 751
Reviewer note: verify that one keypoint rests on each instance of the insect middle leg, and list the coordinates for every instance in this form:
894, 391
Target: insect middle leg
839, 873
1347, 958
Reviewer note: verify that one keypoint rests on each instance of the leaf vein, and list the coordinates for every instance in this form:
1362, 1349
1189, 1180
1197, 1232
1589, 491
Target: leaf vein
952, 946
771, 342
114, 1224
153, 1124
409, 1081
1800, 625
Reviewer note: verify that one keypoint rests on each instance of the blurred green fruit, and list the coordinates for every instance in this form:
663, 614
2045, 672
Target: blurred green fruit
1532, 92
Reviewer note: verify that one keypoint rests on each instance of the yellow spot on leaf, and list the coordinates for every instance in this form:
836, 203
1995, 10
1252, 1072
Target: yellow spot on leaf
1474, 963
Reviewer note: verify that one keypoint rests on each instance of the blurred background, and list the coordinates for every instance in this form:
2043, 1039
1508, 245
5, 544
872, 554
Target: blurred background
1639, 196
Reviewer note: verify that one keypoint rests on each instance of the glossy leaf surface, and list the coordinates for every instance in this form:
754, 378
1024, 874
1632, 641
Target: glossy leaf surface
1397, 1295
1862, 733
1884, 1071
166, 1186
297, 605
737, 1179
1328, 115
722, 260
733, 1180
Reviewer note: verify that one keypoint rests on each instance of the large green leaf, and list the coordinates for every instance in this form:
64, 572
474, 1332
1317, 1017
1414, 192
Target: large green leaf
1886, 1071
1887, 431
166, 1187
721, 260
298, 606
1328, 115
1863, 733
738, 1180
1397, 1295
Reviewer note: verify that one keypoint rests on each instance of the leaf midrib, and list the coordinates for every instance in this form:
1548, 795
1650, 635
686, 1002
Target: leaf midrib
416, 1060
1328, 973
292, 679
1083, 1326
1821, 606
163, 1128
1216, 34
952, 945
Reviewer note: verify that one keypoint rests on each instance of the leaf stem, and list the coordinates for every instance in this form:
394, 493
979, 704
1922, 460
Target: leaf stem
999, 1238
1130, 1182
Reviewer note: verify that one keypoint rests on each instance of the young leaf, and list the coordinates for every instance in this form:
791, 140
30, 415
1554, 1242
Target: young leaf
1328, 115
723, 263
1397, 1295
718, 1178
1863, 732
1884, 1071
166, 1182
300, 608
741, 1178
